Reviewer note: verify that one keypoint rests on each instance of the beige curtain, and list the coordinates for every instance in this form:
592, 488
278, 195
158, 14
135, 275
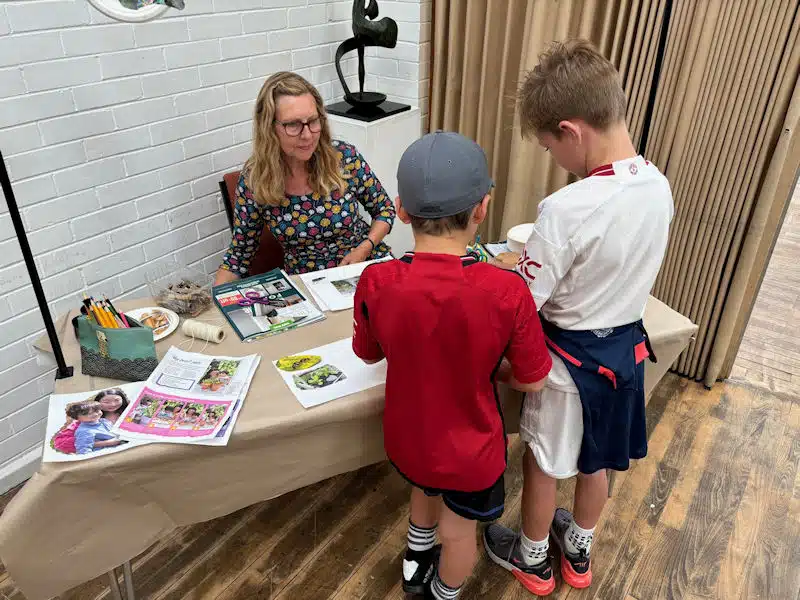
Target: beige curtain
728, 99
482, 48
722, 130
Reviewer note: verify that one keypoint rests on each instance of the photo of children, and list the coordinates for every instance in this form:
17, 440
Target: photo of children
218, 375
144, 410
81, 426
168, 418
190, 417
89, 421
86, 432
211, 416
169, 412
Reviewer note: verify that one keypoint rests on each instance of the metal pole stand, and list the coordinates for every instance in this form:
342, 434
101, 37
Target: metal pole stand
64, 371
127, 578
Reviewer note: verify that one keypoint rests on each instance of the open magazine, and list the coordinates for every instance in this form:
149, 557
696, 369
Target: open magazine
189, 398
334, 289
264, 305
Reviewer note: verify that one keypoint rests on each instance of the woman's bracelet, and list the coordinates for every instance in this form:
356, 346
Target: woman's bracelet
371, 242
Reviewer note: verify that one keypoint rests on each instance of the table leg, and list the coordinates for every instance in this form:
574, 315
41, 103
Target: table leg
128, 572
113, 584
610, 473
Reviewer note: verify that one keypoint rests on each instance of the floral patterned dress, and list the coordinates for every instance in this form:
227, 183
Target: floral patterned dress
315, 231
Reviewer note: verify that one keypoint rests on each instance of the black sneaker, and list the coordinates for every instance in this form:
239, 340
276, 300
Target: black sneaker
418, 569
576, 569
502, 545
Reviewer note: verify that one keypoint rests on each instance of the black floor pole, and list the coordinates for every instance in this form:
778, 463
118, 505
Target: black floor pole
63, 371
651, 101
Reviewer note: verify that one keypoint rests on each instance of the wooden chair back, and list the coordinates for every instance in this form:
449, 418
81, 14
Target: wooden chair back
270, 253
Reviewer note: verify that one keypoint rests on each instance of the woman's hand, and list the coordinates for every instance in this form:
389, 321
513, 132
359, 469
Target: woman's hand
358, 254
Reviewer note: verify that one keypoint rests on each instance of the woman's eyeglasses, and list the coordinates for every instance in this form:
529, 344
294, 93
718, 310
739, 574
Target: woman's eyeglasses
295, 128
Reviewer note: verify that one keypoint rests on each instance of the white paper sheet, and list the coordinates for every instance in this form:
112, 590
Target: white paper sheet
336, 372
335, 288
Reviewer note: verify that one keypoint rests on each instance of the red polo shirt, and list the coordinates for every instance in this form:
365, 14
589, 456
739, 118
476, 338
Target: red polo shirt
444, 324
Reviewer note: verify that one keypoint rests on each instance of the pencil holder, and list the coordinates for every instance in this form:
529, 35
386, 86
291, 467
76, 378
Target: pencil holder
125, 353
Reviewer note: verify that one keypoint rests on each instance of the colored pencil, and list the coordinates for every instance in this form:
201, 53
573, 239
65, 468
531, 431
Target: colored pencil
118, 314
101, 315
109, 316
87, 309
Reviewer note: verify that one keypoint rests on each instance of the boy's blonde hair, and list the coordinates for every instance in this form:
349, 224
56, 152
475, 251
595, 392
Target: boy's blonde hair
572, 81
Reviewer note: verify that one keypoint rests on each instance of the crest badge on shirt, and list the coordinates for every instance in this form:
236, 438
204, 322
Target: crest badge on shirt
633, 169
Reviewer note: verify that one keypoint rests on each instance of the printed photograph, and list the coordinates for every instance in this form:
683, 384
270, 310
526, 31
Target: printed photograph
144, 410
292, 300
191, 417
167, 413
301, 362
218, 375
88, 423
320, 377
211, 416
346, 287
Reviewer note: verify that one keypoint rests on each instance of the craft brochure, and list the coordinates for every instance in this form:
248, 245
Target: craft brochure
224, 434
79, 426
328, 372
265, 305
189, 398
334, 289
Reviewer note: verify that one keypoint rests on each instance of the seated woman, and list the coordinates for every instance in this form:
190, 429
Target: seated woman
305, 187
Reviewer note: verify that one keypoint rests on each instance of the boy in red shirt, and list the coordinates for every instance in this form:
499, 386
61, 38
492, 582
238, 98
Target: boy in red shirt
445, 323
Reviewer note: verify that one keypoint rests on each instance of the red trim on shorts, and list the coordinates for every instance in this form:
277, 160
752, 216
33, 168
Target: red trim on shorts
605, 372
641, 352
563, 353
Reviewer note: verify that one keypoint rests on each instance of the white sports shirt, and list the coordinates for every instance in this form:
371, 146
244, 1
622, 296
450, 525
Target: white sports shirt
597, 246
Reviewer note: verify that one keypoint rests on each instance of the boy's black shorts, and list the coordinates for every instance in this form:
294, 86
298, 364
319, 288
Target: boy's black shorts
486, 505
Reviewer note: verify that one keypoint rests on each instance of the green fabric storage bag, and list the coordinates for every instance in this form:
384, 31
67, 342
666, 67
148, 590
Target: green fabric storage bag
125, 353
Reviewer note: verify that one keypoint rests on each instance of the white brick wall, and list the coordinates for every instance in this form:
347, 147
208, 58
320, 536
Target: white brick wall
116, 135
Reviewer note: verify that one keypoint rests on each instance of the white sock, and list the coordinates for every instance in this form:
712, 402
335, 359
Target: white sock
441, 591
577, 538
533, 552
421, 539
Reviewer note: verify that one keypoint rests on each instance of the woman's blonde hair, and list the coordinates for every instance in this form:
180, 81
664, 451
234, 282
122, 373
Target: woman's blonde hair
266, 168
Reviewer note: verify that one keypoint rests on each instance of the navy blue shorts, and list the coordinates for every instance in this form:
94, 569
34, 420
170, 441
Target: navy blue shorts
608, 370
485, 505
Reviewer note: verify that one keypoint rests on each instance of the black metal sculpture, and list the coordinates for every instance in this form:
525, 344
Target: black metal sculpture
367, 31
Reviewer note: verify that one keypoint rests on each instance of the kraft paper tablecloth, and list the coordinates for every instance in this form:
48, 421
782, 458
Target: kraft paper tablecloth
74, 521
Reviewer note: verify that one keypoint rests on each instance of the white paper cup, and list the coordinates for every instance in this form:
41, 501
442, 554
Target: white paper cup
518, 236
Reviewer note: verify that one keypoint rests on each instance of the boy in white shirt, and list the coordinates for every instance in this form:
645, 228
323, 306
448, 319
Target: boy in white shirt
590, 263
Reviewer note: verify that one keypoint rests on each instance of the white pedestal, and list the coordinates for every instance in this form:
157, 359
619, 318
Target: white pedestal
382, 143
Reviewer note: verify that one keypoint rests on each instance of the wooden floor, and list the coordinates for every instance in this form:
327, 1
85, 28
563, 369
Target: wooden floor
712, 512
770, 351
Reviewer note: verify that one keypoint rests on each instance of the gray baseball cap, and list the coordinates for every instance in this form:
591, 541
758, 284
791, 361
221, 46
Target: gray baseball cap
442, 174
